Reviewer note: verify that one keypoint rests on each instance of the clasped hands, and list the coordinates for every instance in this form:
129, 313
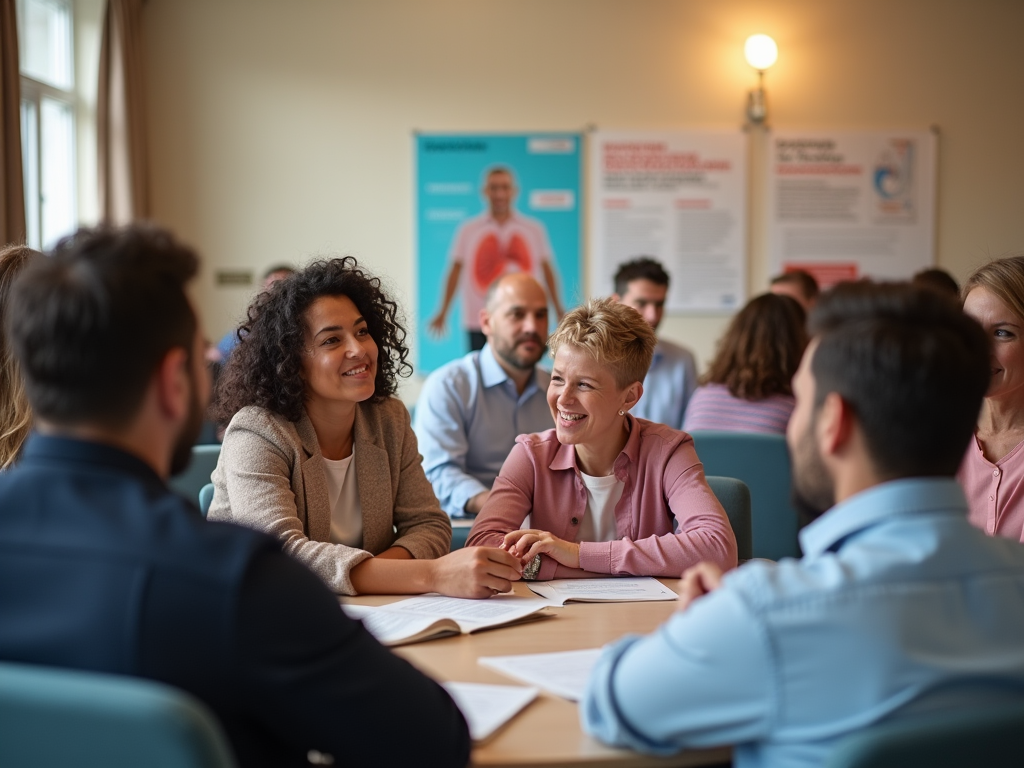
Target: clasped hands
526, 544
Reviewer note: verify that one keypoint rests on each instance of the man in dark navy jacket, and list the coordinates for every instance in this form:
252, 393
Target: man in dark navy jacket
103, 568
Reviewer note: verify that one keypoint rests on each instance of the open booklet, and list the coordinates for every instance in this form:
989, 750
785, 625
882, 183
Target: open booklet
428, 617
616, 590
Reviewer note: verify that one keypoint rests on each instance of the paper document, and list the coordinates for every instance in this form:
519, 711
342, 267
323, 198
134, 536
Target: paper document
627, 590
423, 618
488, 707
564, 673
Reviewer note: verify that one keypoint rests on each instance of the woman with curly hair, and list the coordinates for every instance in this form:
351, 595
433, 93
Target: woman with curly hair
319, 453
15, 413
748, 385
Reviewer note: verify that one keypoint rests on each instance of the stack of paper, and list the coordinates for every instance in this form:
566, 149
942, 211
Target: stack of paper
621, 590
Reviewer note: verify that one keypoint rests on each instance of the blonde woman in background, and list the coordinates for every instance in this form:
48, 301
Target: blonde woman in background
15, 414
992, 472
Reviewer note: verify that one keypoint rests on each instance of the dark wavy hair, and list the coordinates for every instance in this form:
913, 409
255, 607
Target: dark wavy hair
761, 350
265, 369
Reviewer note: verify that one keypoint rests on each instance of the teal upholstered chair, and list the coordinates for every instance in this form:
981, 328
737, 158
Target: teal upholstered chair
762, 462
969, 737
734, 496
54, 718
205, 498
190, 482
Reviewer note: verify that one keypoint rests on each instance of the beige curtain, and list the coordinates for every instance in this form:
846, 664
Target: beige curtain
120, 119
12, 182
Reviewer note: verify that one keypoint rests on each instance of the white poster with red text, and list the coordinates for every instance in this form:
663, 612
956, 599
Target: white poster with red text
852, 204
679, 197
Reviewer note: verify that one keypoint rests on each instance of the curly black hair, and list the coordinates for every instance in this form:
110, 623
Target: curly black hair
265, 369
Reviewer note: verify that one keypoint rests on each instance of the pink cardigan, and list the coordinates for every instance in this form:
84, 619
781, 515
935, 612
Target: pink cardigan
667, 519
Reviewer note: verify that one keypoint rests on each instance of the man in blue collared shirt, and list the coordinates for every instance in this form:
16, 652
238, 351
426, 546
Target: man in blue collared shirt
470, 411
643, 285
898, 606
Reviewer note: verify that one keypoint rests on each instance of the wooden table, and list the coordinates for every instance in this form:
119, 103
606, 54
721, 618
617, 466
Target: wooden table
547, 732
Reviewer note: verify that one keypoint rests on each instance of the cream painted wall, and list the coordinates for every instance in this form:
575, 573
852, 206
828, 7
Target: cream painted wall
281, 129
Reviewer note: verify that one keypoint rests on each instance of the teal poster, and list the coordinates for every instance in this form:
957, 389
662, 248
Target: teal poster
487, 205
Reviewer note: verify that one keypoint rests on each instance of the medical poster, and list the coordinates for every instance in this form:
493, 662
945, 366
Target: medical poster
679, 197
486, 205
846, 205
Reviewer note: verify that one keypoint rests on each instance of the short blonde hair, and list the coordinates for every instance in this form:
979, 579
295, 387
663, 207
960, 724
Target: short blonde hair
1004, 278
616, 335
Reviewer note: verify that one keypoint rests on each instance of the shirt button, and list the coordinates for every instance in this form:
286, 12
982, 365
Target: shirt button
991, 498
575, 521
995, 473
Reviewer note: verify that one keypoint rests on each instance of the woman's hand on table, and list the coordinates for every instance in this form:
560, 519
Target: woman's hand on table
698, 581
527, 544
475, 572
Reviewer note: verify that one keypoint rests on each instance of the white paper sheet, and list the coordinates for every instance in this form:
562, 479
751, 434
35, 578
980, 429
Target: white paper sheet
564, 673
626, 590
488, 707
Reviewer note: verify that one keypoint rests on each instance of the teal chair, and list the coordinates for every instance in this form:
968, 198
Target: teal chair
989, 737
205, 498
54, 718
190, 482
734, 496
762, 462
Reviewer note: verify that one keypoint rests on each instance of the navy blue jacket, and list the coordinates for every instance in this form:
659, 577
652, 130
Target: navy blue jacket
103, 568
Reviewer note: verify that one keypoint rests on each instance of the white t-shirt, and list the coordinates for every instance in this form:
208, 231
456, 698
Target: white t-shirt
603, 493
343, 494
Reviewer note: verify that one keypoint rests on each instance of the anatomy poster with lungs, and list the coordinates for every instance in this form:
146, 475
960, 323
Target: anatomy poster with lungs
488, 205
844, 205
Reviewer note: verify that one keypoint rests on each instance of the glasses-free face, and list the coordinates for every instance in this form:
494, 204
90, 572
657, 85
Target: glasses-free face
1004, 329
339, 363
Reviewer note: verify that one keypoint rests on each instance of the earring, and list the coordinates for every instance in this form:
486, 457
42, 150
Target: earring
622, 413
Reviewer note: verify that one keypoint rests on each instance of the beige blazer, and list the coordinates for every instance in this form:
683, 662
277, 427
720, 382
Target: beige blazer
271, 477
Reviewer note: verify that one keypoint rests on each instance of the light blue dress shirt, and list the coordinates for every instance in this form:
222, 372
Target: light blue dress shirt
467, 419
898, 607
668, 385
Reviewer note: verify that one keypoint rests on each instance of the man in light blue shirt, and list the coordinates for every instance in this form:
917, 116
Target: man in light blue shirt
898, 607
643, 285
470, 411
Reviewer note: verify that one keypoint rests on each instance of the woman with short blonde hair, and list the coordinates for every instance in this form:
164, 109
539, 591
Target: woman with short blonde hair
15, 413
992, 472
606, 493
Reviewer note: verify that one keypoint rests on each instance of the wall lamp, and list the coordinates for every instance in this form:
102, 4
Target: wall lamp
761, 52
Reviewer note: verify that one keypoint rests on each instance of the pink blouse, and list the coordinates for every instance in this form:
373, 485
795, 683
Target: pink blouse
995, 492
667, 519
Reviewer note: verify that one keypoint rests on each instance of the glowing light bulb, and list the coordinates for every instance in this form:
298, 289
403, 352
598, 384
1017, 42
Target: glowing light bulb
761, 52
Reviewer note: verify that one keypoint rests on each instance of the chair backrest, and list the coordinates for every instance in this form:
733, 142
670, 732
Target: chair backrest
970, 737
762, 462
53, 718
205, 498
734, 496
197, 474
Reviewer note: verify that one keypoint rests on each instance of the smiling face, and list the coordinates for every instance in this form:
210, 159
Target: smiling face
340, 361
585, 400
1004, 329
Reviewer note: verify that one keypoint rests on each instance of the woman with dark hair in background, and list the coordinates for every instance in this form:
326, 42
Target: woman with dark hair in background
15, 413
748, 386
319, 453
992, 472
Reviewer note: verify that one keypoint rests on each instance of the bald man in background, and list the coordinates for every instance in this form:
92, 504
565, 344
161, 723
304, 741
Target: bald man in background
471, 410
